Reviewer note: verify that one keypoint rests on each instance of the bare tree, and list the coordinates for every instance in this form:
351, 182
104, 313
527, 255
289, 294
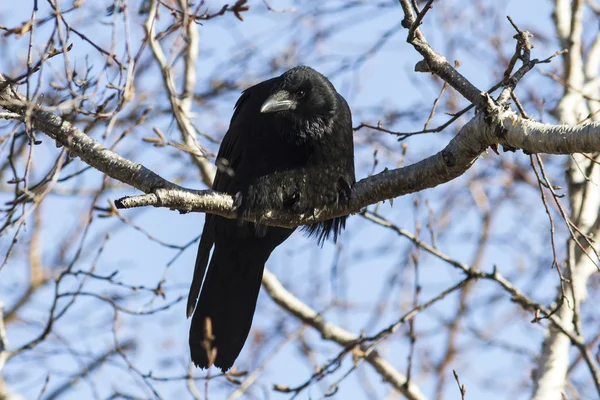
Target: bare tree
486, 282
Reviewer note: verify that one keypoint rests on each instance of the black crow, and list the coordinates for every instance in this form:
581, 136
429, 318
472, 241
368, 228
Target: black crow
289, 146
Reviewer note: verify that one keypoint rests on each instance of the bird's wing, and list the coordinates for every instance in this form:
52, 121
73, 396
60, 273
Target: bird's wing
232, 150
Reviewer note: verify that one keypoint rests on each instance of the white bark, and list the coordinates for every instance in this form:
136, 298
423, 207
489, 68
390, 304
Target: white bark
3, 351
5, 392
454, 160
550, 377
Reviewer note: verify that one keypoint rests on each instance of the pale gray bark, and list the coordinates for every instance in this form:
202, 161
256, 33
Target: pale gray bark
339, 335
5, 392
454, 160
181, 105
551, 375
3, 351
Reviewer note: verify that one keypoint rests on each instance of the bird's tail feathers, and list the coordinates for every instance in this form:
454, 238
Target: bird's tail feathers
224, 312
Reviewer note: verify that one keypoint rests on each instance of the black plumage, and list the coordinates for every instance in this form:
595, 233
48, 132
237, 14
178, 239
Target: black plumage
289, 146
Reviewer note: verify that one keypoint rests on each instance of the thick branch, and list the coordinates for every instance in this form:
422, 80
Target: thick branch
551, 374
451, 162
456, 158
81, 145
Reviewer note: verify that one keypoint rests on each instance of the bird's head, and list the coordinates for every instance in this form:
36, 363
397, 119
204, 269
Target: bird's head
302, 93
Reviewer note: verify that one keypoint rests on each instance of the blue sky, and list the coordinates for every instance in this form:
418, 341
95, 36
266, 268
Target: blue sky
369, 255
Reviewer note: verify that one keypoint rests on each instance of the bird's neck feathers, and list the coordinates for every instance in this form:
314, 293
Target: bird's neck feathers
305, 128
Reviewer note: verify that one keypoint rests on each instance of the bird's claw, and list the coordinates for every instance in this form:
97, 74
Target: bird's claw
237, 200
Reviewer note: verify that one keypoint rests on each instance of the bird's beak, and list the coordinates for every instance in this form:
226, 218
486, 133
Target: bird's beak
279, 101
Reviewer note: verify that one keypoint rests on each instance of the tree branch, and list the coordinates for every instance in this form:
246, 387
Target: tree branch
3, 351
551, 374
329, 331
181, 106
436, 63
454, 160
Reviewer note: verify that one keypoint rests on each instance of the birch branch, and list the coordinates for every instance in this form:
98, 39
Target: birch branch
551, 375
5, 393
3, 339
451, 162
181, 107
332, 332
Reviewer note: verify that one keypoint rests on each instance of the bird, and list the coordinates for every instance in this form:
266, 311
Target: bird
290, 147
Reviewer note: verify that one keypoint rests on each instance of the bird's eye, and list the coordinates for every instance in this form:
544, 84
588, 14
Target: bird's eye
300, 94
